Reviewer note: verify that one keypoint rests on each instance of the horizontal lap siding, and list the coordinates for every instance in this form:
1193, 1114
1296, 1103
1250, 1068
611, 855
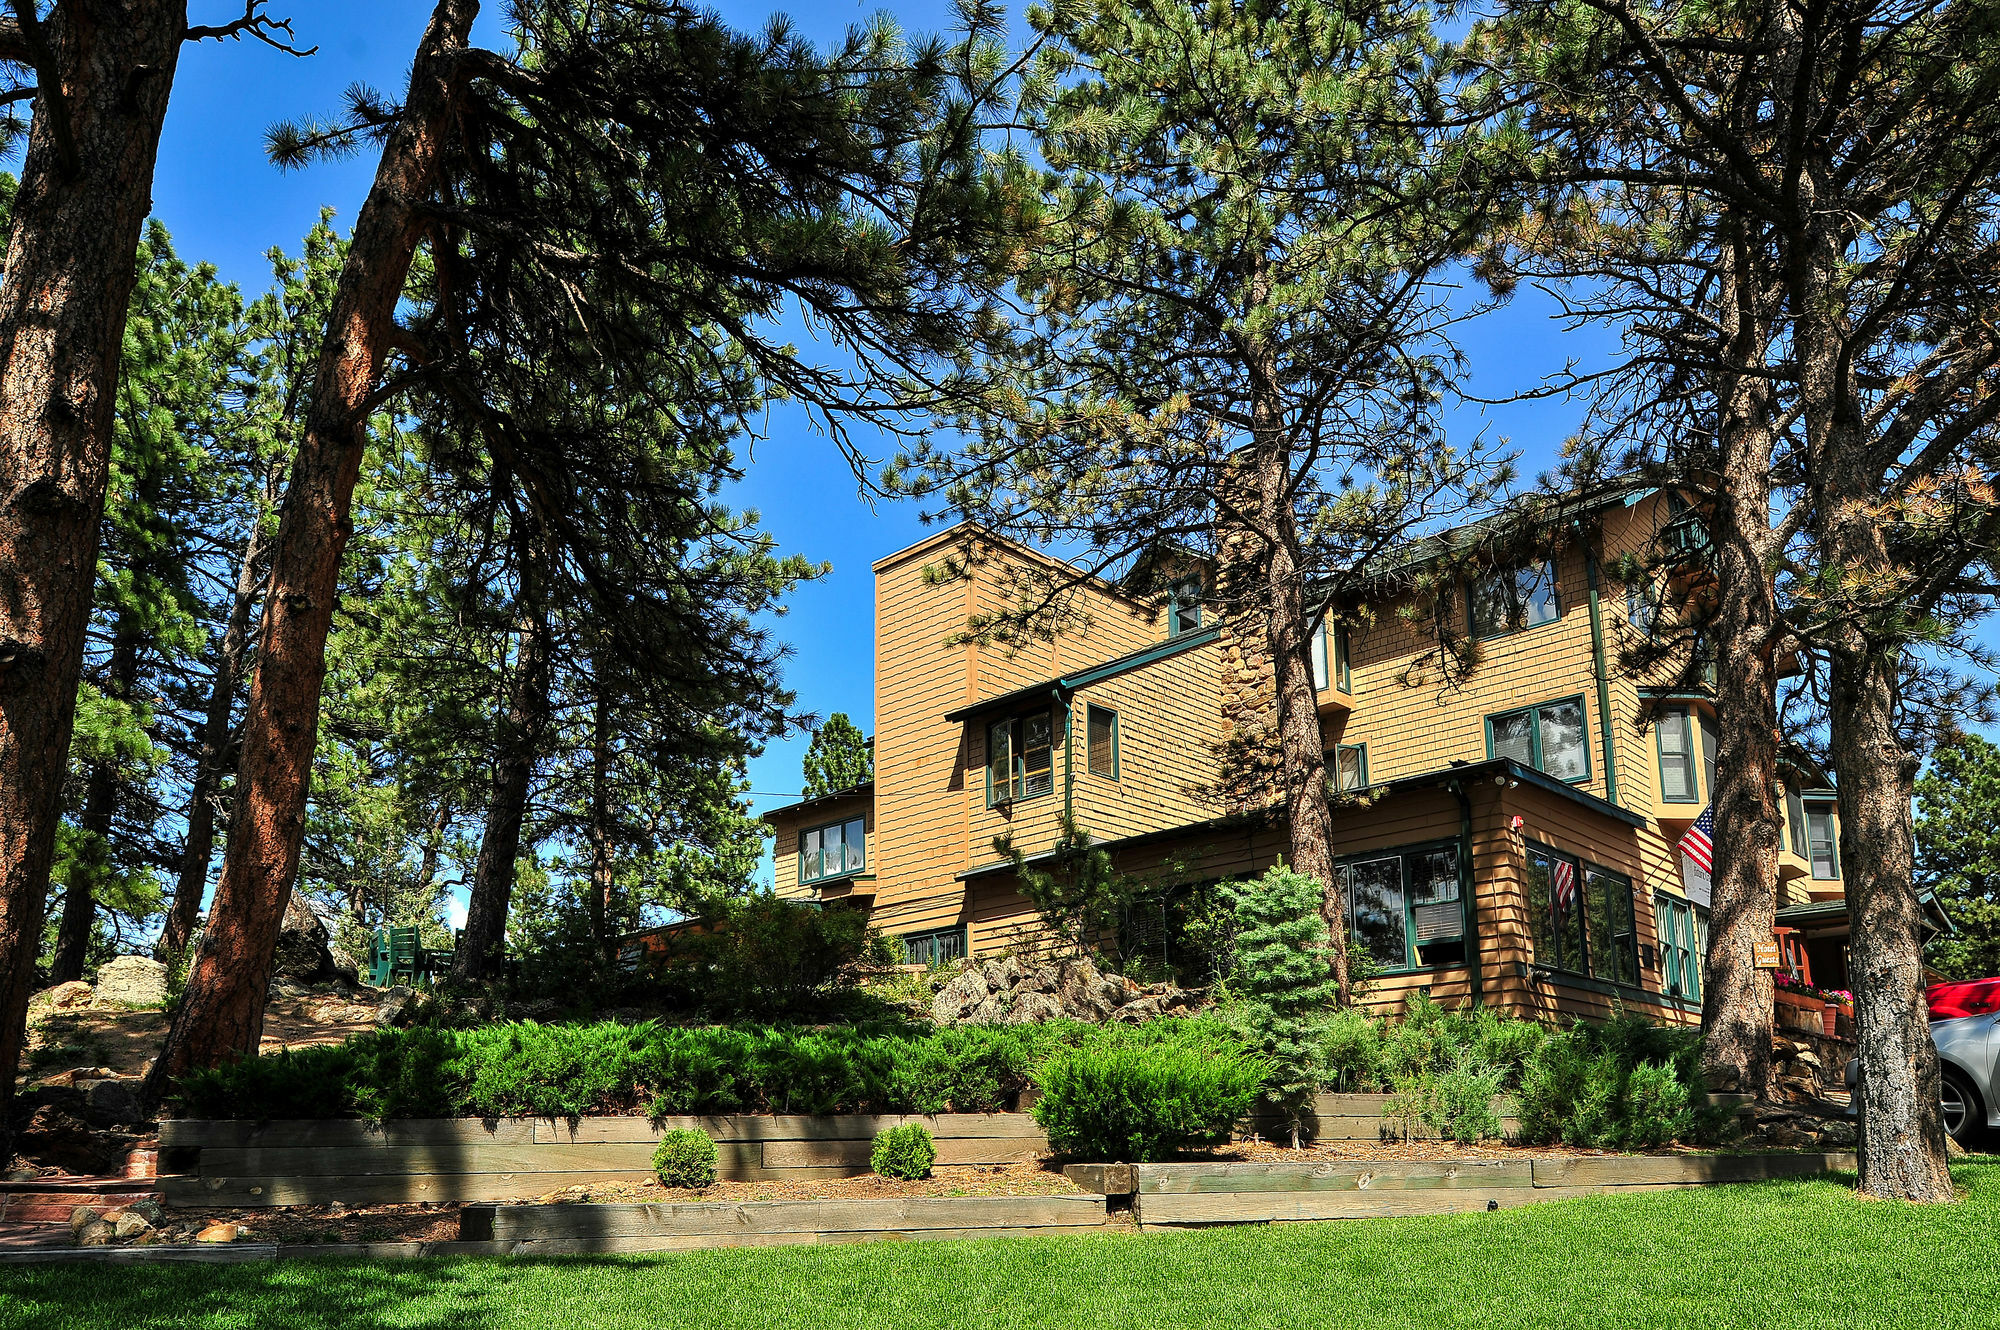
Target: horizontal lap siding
930, 774
785, 830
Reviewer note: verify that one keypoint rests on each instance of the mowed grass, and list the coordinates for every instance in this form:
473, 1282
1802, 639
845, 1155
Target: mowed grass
1780, 1254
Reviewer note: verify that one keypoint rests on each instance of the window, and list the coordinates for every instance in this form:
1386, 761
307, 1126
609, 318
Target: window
1795, 818
1350, 767
1513, 599
1405, 908
935, 947
1613, 927
832, 850
1642, 607
1674, 734
1582, 917
1548, 737
1707, 753
1184, 606
1101, 735
1683, 928
1339, 673
1020, 758
1822, 844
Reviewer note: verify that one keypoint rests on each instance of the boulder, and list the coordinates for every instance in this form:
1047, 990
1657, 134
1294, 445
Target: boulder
136, 981
397, 1006
1007, 989
955, 1002
66, 997
81, 1215
113, 1102
96, 1233
219, 1232
1030, 1007
303, 952
130, 1225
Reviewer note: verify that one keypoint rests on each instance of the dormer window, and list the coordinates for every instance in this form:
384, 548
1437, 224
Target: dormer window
1184, 606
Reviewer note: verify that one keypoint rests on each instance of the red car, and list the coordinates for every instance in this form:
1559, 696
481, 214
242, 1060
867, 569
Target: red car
1969, 997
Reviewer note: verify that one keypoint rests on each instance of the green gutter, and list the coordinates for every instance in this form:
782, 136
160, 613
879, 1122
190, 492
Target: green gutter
1062, 701
1603, 679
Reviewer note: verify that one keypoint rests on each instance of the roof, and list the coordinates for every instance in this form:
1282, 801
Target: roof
1131, 660
1834, 914
1501, 767
818, 801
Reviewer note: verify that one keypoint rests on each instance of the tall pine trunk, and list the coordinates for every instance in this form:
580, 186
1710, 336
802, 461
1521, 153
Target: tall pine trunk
1902, 1150
212, 764
1737, 1010
603, 873
481, 953
86, 185
222, 1012
1282, 601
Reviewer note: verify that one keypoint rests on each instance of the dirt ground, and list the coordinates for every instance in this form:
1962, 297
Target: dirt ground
122, 1040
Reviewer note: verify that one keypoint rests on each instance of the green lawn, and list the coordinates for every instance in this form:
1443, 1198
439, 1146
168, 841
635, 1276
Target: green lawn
1772, 1255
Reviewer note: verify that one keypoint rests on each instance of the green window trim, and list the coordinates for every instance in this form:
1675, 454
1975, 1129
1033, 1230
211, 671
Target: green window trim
1184, 606
1795, 820
936, 946
1340, 780
1580, 944
1822, 810
1682, 929
1535, 728
1343, 668
1331, 668
853, 850
1028, 752
1681, 718
1410, 862
1521, 602
1093, 714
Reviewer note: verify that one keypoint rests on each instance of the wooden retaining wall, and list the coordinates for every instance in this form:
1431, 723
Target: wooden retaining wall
452, 1159
1184, 1195
555, 1230
1358, 1117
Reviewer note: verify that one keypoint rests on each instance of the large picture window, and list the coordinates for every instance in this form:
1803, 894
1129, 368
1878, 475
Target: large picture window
1582, 917
1514, 598
832, 850
1405, 909
1549, 738
1674, 734
1683, 928
1020, 758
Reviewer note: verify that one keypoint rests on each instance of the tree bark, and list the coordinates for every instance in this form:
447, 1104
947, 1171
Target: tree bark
602, 864
1902, 1149
222, 1013
1737, 1012
86, 185
213, 762
1301, 746
481, 953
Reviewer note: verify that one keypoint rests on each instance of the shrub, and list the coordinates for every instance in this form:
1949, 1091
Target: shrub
1455, 1101
1351, 1051
309, 1082
765, 956
905, 1152
686, 1158
1282, 982
1139, 1103
1624, 1084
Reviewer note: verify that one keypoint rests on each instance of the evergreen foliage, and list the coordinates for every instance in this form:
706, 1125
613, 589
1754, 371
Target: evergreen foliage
839, 758
905, 1152
686, 1157
1075, 887
1146, 1102
1281, 986
1958, 853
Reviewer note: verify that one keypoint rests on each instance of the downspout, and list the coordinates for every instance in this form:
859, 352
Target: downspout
1603, 678
1062, 704
1475, 964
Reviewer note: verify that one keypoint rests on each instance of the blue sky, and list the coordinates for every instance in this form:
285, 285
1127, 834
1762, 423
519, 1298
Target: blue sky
227, 205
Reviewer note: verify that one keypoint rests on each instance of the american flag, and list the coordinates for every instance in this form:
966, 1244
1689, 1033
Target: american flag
1697, 844
1565, 884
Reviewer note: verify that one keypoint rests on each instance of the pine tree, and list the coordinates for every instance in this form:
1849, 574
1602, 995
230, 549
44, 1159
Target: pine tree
1236, 343
1281, 983
1958, 853
839, 758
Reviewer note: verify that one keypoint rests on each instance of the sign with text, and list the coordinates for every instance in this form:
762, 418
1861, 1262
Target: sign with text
1767, 955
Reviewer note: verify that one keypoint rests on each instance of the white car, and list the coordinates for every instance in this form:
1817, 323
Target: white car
1968, 1053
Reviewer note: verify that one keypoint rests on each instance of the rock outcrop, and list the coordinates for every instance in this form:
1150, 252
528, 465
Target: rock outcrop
1007, 990
136, 981
305, 954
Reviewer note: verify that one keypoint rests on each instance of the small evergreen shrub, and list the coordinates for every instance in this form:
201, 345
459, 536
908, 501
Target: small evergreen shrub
1139, 1103
1622, 1085
1455, 1101
905, 1152
685, 1158
1351, 1051
1282, 982
765, 956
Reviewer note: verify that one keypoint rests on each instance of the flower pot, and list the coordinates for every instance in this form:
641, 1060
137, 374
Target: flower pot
1831, 1015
